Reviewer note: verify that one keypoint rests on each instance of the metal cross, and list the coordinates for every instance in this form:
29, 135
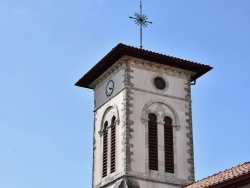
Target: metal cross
141, 20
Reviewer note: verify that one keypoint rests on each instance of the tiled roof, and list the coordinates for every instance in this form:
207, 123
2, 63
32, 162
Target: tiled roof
233, 177
121, 50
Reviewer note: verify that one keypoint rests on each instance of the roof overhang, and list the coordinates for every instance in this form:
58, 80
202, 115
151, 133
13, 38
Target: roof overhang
120, 50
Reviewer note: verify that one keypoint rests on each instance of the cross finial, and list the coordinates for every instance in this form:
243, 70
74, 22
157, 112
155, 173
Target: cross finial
141, 20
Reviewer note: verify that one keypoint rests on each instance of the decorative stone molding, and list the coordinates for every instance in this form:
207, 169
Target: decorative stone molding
126, 183
170, 180
160, 94
146, 110
160, 76
161, 109
112, 70
94, 148
159, 68
189, 134
111, 111
126, 121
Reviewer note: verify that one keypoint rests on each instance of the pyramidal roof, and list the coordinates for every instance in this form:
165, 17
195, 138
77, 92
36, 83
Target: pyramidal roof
121, 50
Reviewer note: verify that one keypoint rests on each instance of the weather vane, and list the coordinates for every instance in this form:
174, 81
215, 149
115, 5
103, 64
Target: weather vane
141, 20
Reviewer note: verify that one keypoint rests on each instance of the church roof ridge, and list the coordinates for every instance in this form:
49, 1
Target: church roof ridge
234, 175
121, 49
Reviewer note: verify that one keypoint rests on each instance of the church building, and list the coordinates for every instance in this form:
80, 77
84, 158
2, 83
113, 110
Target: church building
143, 135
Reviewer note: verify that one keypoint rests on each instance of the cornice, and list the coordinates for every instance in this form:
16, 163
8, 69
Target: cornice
107, 74
123, 50
159, 68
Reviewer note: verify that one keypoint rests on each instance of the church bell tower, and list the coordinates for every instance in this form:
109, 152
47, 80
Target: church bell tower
142, 119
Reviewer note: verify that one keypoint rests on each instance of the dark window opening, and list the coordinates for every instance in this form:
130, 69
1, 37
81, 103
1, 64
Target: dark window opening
105, 150
152, 142
113, 143
169, 145
159, 83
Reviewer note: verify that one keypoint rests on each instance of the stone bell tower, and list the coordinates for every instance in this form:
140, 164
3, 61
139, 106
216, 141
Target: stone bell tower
142, 119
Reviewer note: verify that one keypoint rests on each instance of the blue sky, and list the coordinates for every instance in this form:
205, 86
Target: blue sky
46, 123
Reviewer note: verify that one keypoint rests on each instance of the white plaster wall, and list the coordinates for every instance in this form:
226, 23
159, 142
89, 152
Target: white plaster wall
182, 155
139, 150
118, 99
143, 80
143, 92
100, 91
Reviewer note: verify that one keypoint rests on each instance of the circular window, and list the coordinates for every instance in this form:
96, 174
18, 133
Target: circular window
159, 83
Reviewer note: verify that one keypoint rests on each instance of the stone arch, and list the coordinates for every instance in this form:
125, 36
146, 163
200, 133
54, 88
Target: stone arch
173, 115
108, 114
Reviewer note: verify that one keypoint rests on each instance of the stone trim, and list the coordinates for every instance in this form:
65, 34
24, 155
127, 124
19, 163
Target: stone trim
174, 117
162, 179
138, 89
126, 121
126, 183
189, 134
110, 99
160, 174
160, 94
164, 78
107, 181
94, 148
106, 75
116, 114
159, 68
116, 180
142, 64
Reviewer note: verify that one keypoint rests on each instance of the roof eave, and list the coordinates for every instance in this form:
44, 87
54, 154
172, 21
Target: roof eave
121, 50
235, 182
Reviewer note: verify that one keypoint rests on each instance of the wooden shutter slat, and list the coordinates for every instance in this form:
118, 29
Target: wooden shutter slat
169, 148
105, 150
113, 143
153, 142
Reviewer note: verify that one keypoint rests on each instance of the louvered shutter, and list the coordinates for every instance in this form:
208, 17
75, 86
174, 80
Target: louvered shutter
113, 143
169, 147
105, 150
152, 142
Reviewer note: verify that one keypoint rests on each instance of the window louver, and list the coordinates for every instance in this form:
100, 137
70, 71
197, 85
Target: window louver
113, 143
152, 142
105, 150
169, 149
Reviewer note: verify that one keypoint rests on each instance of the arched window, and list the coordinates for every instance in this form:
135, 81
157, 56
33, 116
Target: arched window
112, 151
152, 142
169, 147
105, 150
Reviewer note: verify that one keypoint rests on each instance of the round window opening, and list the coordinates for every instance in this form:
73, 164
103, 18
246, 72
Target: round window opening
160, 83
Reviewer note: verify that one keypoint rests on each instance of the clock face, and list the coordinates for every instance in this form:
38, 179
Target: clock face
109, 88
